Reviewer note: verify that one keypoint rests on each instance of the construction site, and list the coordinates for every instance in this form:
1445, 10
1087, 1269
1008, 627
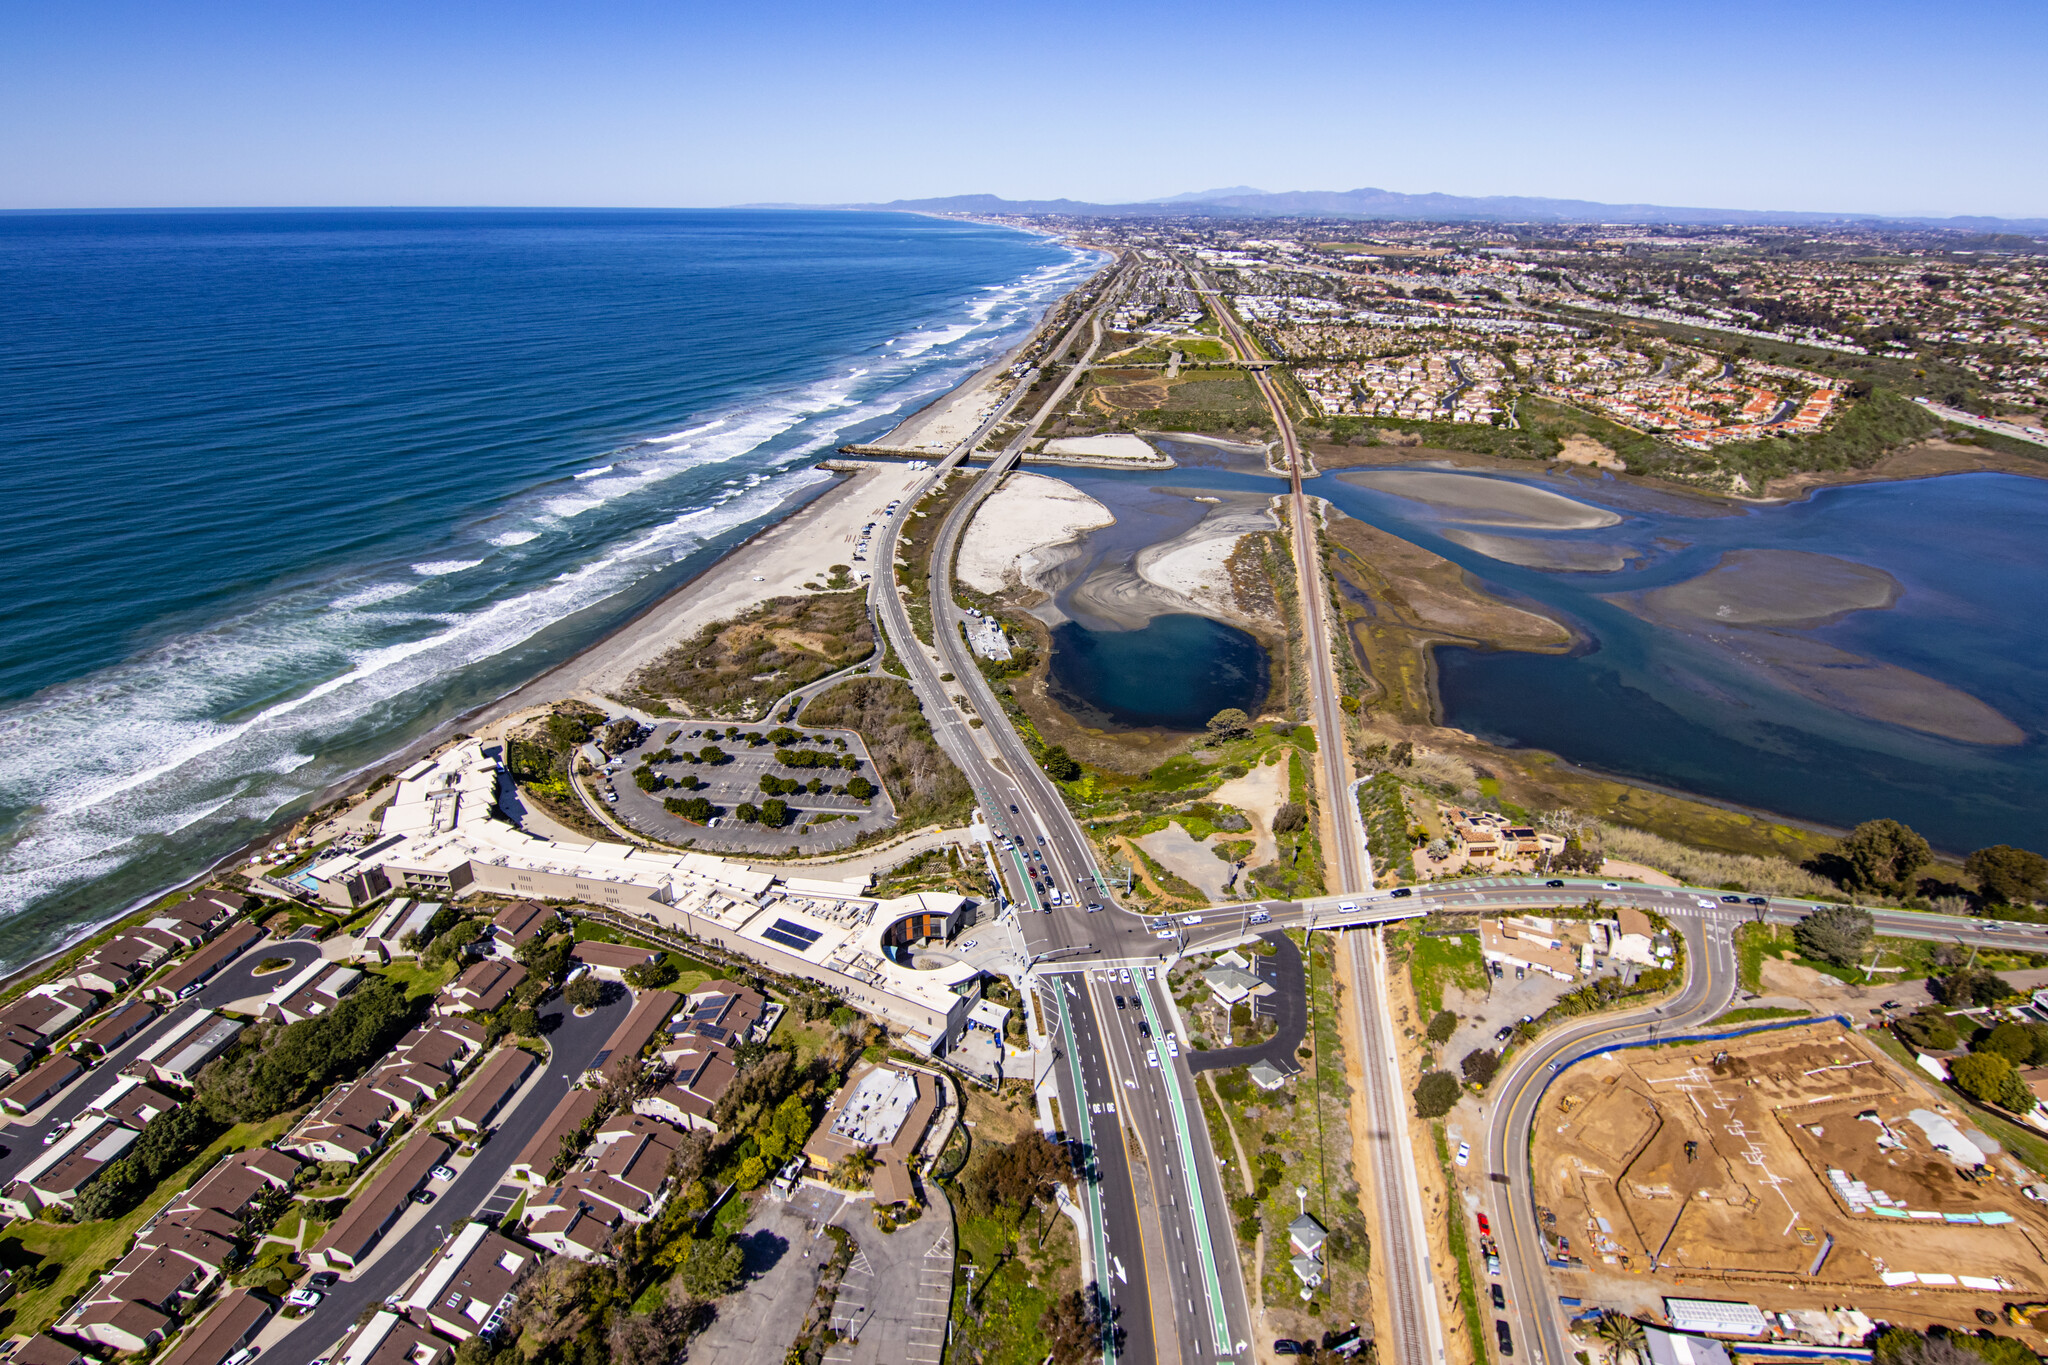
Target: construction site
1801, 1170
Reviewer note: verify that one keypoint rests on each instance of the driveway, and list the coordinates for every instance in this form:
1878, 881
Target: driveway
575, 1043
1282, 971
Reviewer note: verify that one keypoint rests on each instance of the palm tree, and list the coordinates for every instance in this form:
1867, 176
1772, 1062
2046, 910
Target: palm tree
1623, 1335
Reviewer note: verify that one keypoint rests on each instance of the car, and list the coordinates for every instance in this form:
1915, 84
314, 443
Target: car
1891, 1004
1164, 933
1610, 886
1555, 881
1260, 917
1526, 1019
1706, 904
322, 1279
1401, 891
1041, 838
1500, 1298
1152, 1060
1503, 1336
1013, 810
1557, 1065
1758, 900
305, 1298
1286, 1346
1151, 973
1503, 1033
1172, 1046
1492, 1264
1144, 1029
1094, 906
1485, 1228
422, 1196
1123, 974
1464, 1156
1190, 919
241, 1357
1120, 1003
442, 1173
1731, 900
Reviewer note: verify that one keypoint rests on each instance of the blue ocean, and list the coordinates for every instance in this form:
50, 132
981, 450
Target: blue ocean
284, 491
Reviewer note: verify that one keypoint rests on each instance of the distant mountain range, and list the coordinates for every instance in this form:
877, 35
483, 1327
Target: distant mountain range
1241, 201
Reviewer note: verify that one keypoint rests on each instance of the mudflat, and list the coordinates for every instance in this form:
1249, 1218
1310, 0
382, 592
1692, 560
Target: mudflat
1480, 501
1793, 589
1559, 556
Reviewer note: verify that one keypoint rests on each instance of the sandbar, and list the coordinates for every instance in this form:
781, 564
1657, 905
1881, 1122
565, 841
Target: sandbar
1480, 501
1119, 446
1561, 556
1792, 589
1184, 574
1869, 689
1024, 529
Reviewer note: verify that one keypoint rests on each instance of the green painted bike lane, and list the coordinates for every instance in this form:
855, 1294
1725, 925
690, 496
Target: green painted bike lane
1205, 1255
1090, 1187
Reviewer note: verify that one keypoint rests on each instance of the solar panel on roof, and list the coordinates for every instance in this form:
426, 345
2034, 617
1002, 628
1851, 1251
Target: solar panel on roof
791, 935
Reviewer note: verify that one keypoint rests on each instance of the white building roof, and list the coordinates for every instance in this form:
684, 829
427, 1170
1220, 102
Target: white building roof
1721, 1317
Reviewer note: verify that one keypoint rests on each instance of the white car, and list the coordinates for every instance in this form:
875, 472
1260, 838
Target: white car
1706, 904
1152, 1059
971, 943
1261, 917
1123, 974
1190, 919
1151, 973
1610, 886
1164, 933
1464, 1153
1172, 1046
442, 1173
305, 1298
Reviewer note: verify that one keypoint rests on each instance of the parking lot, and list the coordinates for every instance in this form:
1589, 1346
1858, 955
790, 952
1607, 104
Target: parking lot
738, 780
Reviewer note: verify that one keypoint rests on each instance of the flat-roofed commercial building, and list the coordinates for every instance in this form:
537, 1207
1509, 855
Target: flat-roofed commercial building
441, 836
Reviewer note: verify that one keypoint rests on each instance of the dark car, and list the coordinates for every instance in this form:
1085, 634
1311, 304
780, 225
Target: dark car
1503, 1033
1731, 900
1286, 1346
1119, 1002
1503, 1336
325, 1279
1398, 892
1500, 1298
1013, 810
1554, 881
1144, 1029
1759, 900
422, 1196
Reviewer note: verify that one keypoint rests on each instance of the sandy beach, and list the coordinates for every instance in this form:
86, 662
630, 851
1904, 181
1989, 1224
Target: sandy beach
1023, 530
778, 562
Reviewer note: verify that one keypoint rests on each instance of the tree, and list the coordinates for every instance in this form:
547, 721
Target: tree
1480, 1066
523, 1022
1928, 1028
1981, 1076
1839, 934
1623, 1335
2007, 875
1882, 855
860, 789
586, 992
1073, 1326
710, 1268
1442, 1025
647, 976
2020, 1044
1059, 765
775, 813
1435, 1094
1004, 1180
1971, 986
747, 811
1290, 817
1229, 723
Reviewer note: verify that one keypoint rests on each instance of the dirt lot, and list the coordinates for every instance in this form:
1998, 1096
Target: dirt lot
1709, 1167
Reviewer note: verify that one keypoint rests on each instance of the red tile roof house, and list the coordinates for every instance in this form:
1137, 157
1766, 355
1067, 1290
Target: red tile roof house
232, 1324
699, 1074
521, 922
642, 1024
117, 1026
609, 961
370, 1215
39, 1086
538, 1157
488, 1092
120, 1325
481, 989
349, 1125
47, 1350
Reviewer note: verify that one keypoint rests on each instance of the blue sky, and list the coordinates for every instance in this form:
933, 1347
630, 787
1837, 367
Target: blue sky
1878, 106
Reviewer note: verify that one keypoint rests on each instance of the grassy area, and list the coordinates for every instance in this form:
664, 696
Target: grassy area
734, 668
73, 1255
1899, 959
1752, 1013
1468, 1287
1445, 960
1000, 1325
417, 979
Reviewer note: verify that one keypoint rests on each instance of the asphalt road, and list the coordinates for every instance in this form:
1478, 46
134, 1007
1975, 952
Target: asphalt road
574, 1044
